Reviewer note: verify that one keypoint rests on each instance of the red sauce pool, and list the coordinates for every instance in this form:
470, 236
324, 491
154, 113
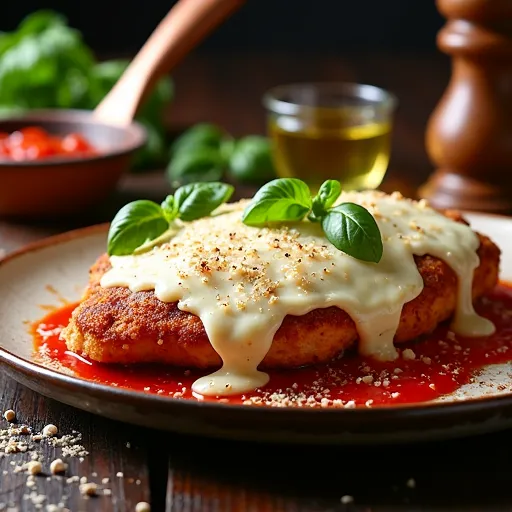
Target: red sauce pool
34, 143
443, 362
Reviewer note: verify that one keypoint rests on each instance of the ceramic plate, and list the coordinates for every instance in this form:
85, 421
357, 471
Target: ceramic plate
63, 263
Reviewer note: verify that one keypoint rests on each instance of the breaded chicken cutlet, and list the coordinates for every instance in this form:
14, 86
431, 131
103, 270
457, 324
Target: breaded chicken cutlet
114, 325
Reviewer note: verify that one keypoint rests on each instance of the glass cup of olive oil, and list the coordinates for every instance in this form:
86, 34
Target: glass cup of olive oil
323, 131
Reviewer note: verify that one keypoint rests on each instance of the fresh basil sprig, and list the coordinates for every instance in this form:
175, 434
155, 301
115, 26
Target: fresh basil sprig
206, 152
134, 224
198, 200
287, 199
348, 226
326, 197
140, 222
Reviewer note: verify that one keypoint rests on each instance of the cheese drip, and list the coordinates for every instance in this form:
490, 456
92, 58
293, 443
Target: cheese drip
242, 281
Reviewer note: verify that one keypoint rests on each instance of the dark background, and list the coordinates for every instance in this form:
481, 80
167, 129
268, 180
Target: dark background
330, 26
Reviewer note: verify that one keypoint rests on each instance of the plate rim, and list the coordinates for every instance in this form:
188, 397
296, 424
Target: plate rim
33, 369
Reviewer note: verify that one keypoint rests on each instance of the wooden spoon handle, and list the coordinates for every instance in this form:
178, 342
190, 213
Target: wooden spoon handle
186, 24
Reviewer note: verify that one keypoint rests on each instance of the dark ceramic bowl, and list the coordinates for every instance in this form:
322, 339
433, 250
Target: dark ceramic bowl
56, 186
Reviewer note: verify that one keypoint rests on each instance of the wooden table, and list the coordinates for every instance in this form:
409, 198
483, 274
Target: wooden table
177, 473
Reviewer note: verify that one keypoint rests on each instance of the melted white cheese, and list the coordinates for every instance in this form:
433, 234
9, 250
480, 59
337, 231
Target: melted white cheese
242, 281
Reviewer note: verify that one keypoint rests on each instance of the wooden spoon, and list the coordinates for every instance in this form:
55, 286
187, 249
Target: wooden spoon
182, 29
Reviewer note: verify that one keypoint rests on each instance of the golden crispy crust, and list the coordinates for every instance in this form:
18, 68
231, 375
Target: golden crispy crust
114, 325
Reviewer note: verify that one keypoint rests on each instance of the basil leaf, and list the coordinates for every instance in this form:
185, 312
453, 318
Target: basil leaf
48, 68
227, 146
251, 161
198, 136
353, 230
282, 199
201, 164
327, 195
134, 224
165, 237
170, 208
198, 200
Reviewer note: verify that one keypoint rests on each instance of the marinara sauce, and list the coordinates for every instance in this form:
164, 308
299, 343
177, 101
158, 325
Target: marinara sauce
34, 143
427, 369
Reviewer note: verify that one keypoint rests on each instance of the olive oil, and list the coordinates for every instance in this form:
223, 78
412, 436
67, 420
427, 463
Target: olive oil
322, 148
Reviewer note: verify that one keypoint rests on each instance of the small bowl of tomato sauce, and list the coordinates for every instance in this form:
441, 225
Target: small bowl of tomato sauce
61, 162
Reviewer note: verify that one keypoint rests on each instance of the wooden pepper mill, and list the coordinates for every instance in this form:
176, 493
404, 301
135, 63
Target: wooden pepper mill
469, 135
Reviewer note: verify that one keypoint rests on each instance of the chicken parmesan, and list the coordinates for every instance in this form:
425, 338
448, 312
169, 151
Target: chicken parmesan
237, 299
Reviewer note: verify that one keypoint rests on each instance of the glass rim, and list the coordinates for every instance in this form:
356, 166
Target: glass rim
377, 97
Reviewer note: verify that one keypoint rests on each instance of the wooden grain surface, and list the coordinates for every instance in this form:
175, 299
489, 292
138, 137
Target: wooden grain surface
468, 474
181, 474
113, 449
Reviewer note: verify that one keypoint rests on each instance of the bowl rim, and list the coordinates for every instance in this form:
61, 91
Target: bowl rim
137, 136
376, 97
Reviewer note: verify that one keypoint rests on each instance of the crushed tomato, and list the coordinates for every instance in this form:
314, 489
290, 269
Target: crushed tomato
34, 143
